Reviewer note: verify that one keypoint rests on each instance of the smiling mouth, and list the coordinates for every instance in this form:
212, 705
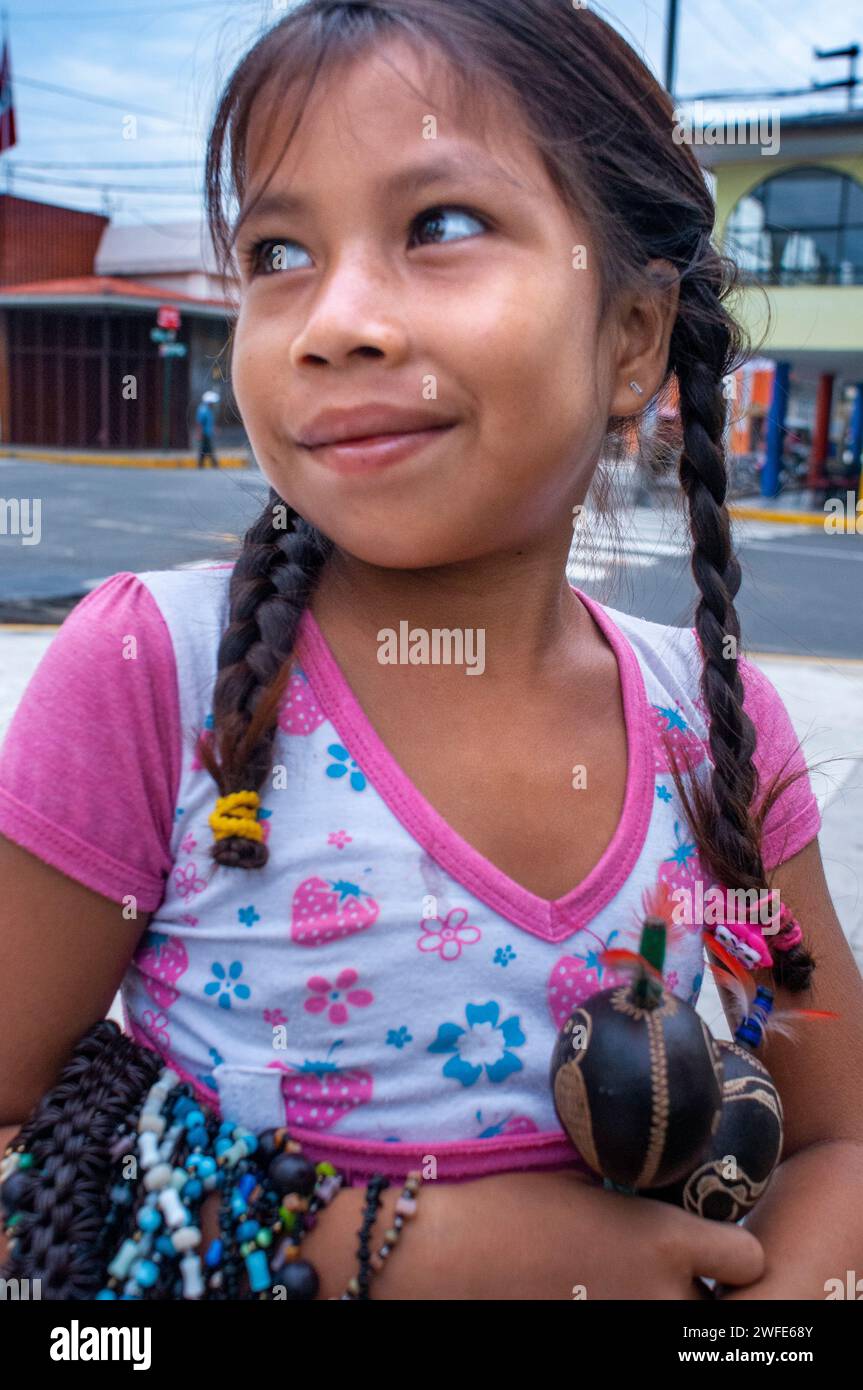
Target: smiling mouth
376, 451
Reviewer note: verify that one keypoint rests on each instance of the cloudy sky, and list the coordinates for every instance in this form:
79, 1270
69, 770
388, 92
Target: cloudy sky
165, 60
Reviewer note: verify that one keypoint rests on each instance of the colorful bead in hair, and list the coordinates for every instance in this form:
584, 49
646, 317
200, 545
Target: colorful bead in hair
236, 815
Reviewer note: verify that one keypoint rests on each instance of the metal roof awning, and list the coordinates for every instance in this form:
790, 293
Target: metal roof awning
107, 292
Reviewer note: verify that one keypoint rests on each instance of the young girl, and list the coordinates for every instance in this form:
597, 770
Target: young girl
351, 877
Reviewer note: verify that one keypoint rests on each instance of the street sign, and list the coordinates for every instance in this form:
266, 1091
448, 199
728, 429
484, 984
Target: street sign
173, 349
168, 317
162, 335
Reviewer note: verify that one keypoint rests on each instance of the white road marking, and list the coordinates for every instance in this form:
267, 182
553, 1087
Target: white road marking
647, 537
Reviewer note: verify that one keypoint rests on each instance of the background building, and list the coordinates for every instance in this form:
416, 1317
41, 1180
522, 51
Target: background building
78, 303
793, 220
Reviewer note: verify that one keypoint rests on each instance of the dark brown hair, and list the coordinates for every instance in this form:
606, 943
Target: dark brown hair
603, 126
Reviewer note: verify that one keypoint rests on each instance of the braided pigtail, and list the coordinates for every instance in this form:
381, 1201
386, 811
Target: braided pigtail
704, 347
272, 581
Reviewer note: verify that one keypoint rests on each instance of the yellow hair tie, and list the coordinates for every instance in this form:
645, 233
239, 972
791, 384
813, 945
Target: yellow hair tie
237, 815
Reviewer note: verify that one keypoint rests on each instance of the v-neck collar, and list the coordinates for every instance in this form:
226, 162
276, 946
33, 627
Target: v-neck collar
552, 920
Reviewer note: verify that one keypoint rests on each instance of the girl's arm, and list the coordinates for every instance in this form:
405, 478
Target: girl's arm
521, 1236
810, 1220
63, 952
515, 1236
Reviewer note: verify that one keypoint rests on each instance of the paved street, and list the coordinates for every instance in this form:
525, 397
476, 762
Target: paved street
801, 590
96, 521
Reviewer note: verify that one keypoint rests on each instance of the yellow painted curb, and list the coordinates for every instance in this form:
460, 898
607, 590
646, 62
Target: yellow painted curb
29, 627
792, 518
805, 660
128, 460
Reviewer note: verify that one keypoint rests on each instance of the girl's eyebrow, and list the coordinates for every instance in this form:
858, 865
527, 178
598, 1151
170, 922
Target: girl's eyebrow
410, 179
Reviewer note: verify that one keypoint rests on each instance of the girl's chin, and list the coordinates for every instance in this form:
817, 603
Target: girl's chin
383, 553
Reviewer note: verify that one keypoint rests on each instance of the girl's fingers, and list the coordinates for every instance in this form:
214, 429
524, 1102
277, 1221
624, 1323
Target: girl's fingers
729, 1254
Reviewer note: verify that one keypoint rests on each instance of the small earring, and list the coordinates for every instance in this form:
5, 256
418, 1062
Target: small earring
634, 386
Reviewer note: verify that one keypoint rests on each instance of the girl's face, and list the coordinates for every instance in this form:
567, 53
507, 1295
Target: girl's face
419, 267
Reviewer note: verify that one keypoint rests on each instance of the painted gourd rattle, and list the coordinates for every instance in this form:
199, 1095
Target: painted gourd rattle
740, 1156
653, 1102
636, 1075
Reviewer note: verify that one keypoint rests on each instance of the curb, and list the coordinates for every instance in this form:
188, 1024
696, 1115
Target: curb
29, 627
804, 660
789, 518
127, 460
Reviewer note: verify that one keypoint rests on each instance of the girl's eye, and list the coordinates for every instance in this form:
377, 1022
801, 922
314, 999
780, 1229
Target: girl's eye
438, 217
270, 255
267, 256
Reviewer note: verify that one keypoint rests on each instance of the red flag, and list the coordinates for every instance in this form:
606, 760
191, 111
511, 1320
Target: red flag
7, 106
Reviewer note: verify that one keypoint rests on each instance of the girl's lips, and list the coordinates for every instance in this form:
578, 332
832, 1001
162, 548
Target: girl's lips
378, 451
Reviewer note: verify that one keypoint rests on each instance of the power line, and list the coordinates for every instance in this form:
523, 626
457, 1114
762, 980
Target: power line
698, 15
759, 38
115, 164
100, 101
795, 92
103, 185
113, 12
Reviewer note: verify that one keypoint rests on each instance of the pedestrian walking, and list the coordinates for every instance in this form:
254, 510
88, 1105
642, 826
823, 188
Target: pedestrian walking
206, 421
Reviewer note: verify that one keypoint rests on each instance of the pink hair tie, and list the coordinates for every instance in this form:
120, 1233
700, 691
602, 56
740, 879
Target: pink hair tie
790, 933
749, 943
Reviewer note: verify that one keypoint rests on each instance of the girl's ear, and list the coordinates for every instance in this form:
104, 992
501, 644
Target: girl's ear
645, 321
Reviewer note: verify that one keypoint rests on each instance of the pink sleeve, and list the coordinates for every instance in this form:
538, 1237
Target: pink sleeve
90, 766
794, 818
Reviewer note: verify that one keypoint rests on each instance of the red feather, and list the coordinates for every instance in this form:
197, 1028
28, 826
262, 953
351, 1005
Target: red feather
731, 963
628, 960
783, 1023
658, 902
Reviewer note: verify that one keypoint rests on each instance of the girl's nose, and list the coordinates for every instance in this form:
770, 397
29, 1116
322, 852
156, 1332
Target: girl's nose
354, 313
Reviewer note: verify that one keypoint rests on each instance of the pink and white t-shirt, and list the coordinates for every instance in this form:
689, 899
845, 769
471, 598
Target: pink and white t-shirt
379, 986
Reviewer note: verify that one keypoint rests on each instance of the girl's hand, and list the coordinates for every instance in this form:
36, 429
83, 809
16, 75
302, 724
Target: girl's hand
553, 1236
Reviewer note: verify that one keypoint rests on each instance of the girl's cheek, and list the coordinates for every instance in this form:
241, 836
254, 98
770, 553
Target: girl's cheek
255, 366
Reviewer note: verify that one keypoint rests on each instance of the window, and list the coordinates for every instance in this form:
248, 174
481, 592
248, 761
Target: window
802, 227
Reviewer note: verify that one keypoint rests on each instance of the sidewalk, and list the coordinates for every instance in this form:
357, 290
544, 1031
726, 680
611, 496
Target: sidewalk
132, 458
824, 700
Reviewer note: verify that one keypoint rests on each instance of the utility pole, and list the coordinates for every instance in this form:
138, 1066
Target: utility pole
852, 53
670, 46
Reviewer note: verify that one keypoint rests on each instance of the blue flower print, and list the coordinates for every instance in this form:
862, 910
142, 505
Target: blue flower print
485, 1043
209, 722
340, 767
492, 1131
180, 811
663, 793
673, 719
209, 1079
398, 1037
225, 981
503, 955
593, 953
683, 851
247, 916
696, 988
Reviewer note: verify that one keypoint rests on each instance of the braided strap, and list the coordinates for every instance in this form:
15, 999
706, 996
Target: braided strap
64, 1197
